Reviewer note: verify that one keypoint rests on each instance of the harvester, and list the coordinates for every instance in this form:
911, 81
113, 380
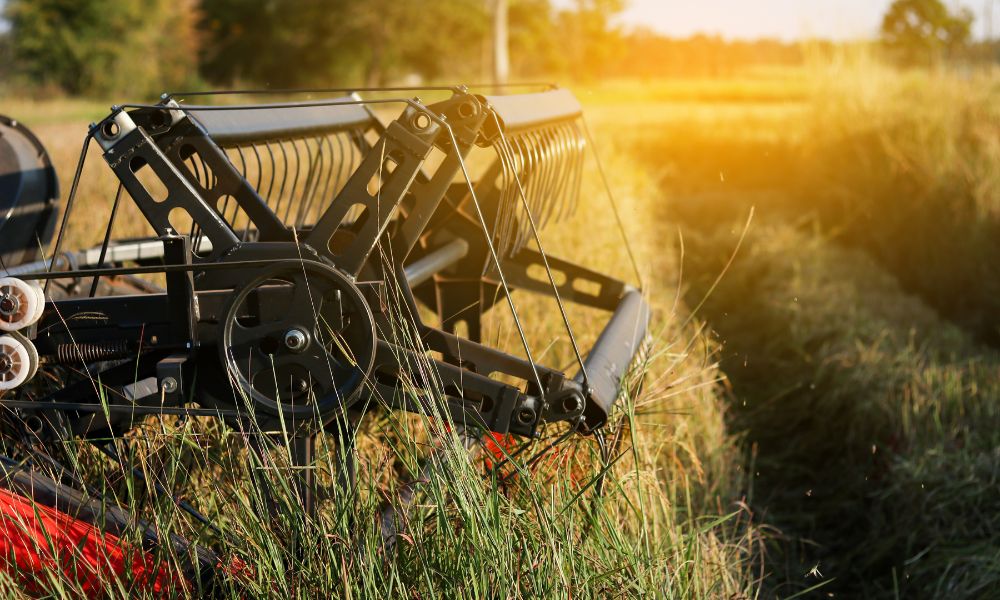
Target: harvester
309, 262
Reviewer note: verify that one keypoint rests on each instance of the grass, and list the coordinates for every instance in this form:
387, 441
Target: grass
668, 525
858, 320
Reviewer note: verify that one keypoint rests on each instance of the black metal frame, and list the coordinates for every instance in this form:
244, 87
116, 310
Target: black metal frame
156, 352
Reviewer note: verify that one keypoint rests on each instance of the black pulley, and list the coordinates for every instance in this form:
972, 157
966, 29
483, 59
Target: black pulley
29, 193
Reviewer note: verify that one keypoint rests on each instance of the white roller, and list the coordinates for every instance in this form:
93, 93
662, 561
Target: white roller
23, 304
15, 363
33, 360
40, 292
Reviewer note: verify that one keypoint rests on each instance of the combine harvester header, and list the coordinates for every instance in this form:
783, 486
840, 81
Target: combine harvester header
292, 248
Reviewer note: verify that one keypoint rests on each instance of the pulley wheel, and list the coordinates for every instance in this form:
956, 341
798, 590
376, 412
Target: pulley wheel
299, 342
18, 361
21, 304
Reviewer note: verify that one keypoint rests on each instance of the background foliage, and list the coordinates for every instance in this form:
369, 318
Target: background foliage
103, 48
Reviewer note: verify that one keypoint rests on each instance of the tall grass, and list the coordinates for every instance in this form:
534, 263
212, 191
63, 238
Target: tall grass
909, 172
900, 164
873, 423
853, 319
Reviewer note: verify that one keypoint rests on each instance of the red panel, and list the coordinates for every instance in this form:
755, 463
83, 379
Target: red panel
37, 542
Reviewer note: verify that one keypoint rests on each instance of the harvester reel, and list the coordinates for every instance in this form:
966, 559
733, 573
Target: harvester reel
305, 356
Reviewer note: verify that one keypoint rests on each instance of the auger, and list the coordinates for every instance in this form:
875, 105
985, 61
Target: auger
295, 251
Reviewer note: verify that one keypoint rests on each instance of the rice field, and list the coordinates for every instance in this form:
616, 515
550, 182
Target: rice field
819, 412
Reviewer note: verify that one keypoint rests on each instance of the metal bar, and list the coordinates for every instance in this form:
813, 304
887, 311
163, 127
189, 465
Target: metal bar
107, 236
435, 262
279, 121
127, 252
612, 354
519, 112
137, 409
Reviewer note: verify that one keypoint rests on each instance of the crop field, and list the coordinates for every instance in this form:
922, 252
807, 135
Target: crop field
818, 410
845, 250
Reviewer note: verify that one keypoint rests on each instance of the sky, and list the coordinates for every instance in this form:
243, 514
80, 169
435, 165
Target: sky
785, 19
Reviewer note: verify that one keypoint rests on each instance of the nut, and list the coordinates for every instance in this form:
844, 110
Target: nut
169, 385
296, 340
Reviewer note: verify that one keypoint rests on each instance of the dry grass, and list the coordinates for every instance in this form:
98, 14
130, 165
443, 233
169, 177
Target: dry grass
859, 321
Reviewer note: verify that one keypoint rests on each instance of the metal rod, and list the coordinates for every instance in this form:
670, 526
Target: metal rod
107, 238
612, 354
435, 262
30, 405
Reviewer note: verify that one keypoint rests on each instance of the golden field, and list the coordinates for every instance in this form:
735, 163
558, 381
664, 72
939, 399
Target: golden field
821, 405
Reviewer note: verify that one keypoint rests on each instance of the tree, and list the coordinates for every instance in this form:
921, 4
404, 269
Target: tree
103, 47
501, 42
295, 43
923, 31
592, 42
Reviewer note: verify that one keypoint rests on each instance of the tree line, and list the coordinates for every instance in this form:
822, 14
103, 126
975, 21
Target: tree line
109, 47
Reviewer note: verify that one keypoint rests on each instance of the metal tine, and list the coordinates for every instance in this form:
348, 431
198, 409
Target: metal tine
310, 182
575, 165
538, 197
319, 176
549, 190
328, 176
511, 207
566, 185
540, 188
549, 163
535, 147
256, 186
530, 178
323, 197
513, 152
345, 166
317, 168
530, 171
561, 144
571, 181
513, 239
581, 145
501, 224
346, 161
284, 177
532, 228
295, 181
536, 178
504, 176
273, 171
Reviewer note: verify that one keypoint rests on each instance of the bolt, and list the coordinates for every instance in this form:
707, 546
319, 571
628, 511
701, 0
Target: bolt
8, 305
169, 385
6, 364
296, 340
